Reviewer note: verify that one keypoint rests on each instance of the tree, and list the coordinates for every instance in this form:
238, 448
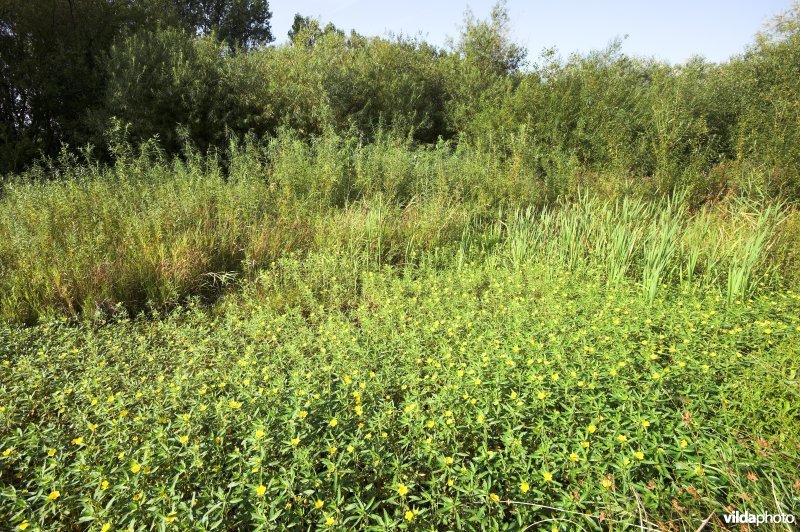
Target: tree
165, 80
488, 44
53, 56
306, 31
239, 23
51, 72
484, 66
782, 27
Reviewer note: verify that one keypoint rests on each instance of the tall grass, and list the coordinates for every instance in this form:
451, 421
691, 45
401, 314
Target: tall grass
656, 242
748, 253
660, 245
621, 236
150, 232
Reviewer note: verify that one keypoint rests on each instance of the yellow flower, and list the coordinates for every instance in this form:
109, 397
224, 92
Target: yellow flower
319, 504
524, 487
409, 515
585, 445
495, 497
402, 489
540, 395
574, 457
135, 467
330, 521
261, 490
23, 525
184, 439
606, 483
645, 423
170, 518
547, 476
448, 460
104, 485
295, 441
234, 404
303, 414
333, 422
106, 527
684, 443
51, 452
592, 429
77, 441
639, 455
7, 452
430, 423
259, 434
622, 438
54, 495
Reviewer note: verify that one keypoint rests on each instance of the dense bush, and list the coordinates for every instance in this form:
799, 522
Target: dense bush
661, 124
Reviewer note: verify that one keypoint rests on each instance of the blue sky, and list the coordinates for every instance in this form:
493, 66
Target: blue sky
672, 30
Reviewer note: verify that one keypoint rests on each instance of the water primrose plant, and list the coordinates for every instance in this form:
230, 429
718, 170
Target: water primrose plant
487, 396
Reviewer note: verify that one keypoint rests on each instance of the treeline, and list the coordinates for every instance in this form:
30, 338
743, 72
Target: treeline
195, 73
57, 61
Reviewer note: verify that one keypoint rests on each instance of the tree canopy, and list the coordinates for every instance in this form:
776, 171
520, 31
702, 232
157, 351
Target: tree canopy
53, 61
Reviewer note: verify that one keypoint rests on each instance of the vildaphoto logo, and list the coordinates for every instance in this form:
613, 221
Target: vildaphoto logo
746, 518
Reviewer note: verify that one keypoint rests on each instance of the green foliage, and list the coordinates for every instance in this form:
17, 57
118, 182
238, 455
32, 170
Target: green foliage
54, 67
239, 23
306, 31
660, 245
697, 126
354, 282
167, 86
487, 44
770, 123
51, 57
153, 230
749, 253
485, 397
